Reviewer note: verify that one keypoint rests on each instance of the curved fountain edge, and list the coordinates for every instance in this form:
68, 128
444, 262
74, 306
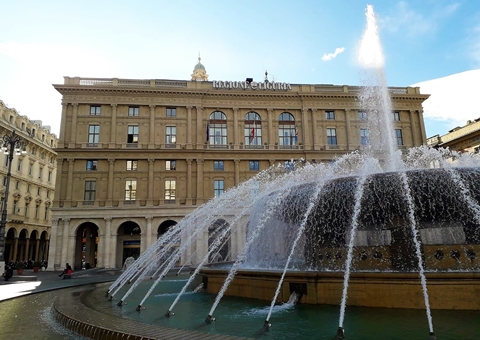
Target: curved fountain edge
75, 316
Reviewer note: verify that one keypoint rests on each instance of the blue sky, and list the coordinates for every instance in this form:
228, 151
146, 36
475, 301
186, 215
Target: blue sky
296, 41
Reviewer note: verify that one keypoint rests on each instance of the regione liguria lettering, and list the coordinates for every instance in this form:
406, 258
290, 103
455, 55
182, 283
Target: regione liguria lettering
268, 85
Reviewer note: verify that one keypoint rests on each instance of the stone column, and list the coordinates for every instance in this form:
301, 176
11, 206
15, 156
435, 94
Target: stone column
199, 181
314, 130
201, 135
73, 133
113, 127
52, 249
236, 137
347, 122
189, 127
189, 182
15, 249
151, 163
149, 232
111, 164
151, 141
68, 199
413, 128
37, 250
64, 253
106, 242
63, 124
270, 135
422, 127
237, 171
305, 139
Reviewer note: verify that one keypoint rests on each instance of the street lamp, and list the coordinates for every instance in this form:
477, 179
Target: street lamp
10, 144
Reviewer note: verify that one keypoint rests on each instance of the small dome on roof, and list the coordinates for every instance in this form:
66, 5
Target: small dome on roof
199, 72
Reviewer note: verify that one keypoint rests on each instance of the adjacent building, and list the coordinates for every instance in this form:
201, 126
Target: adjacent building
32, 187
137, 155
462, 138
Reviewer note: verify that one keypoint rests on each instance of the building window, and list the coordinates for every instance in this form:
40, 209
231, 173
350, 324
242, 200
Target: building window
132, 165
171, 111
254, 166
362, 115
48, 193
364, 136
132, 136
170, 165
19, 165
133, 111
93, 134
38, 191
30, 169
253, 129
43, 137
23, 126
95, 110
398, 136
218, 166
11, 119
36, 211
330, 115
396, 116
92, 164
14, 207
218, 187
130, 190
287, 132
46, 213
40, 173
90, 189
331, 136
17, 185
170, 134
26, 209
170, 190
28, 187
217, 128
49, 176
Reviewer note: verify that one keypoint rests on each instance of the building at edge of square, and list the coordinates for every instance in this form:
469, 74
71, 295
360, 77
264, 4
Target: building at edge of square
135, 156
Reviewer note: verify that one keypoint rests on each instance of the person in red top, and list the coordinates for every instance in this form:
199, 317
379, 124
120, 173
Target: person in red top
68, 270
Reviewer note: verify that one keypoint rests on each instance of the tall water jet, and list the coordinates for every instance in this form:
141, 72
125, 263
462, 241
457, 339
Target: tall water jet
374, 98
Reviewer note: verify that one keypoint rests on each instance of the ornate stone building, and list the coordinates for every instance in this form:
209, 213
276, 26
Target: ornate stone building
136, 156
32, 187
462, 138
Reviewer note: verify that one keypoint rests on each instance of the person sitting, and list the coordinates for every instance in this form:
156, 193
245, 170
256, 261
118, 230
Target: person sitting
68, 270
8, 273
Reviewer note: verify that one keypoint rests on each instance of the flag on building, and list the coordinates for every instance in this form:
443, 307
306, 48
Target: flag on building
296, 134
252, 134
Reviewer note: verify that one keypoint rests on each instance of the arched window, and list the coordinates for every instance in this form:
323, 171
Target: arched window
253, 129
217, 128
287, 131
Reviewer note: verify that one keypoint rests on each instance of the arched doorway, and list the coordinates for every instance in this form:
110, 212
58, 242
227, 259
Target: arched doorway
22, 246
129, 241
173, 243
214, 231
86, 246
164, 227
10, 253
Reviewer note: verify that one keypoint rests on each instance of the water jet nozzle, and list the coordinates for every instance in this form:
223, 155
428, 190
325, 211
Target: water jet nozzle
209, 319
139, 307
432, 336
120, 303
340, 333
169, 313
266, 326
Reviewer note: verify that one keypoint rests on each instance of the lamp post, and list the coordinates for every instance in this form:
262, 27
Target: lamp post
10, 144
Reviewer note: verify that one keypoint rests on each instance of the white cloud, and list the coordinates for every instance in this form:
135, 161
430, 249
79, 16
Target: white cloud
330, 56
452, 98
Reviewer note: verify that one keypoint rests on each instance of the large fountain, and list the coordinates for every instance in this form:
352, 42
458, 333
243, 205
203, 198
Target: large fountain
376, 228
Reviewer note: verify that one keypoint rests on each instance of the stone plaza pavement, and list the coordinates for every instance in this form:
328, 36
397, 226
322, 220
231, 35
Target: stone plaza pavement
31, 283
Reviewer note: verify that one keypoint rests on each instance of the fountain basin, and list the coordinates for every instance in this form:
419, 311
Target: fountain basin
447, 290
